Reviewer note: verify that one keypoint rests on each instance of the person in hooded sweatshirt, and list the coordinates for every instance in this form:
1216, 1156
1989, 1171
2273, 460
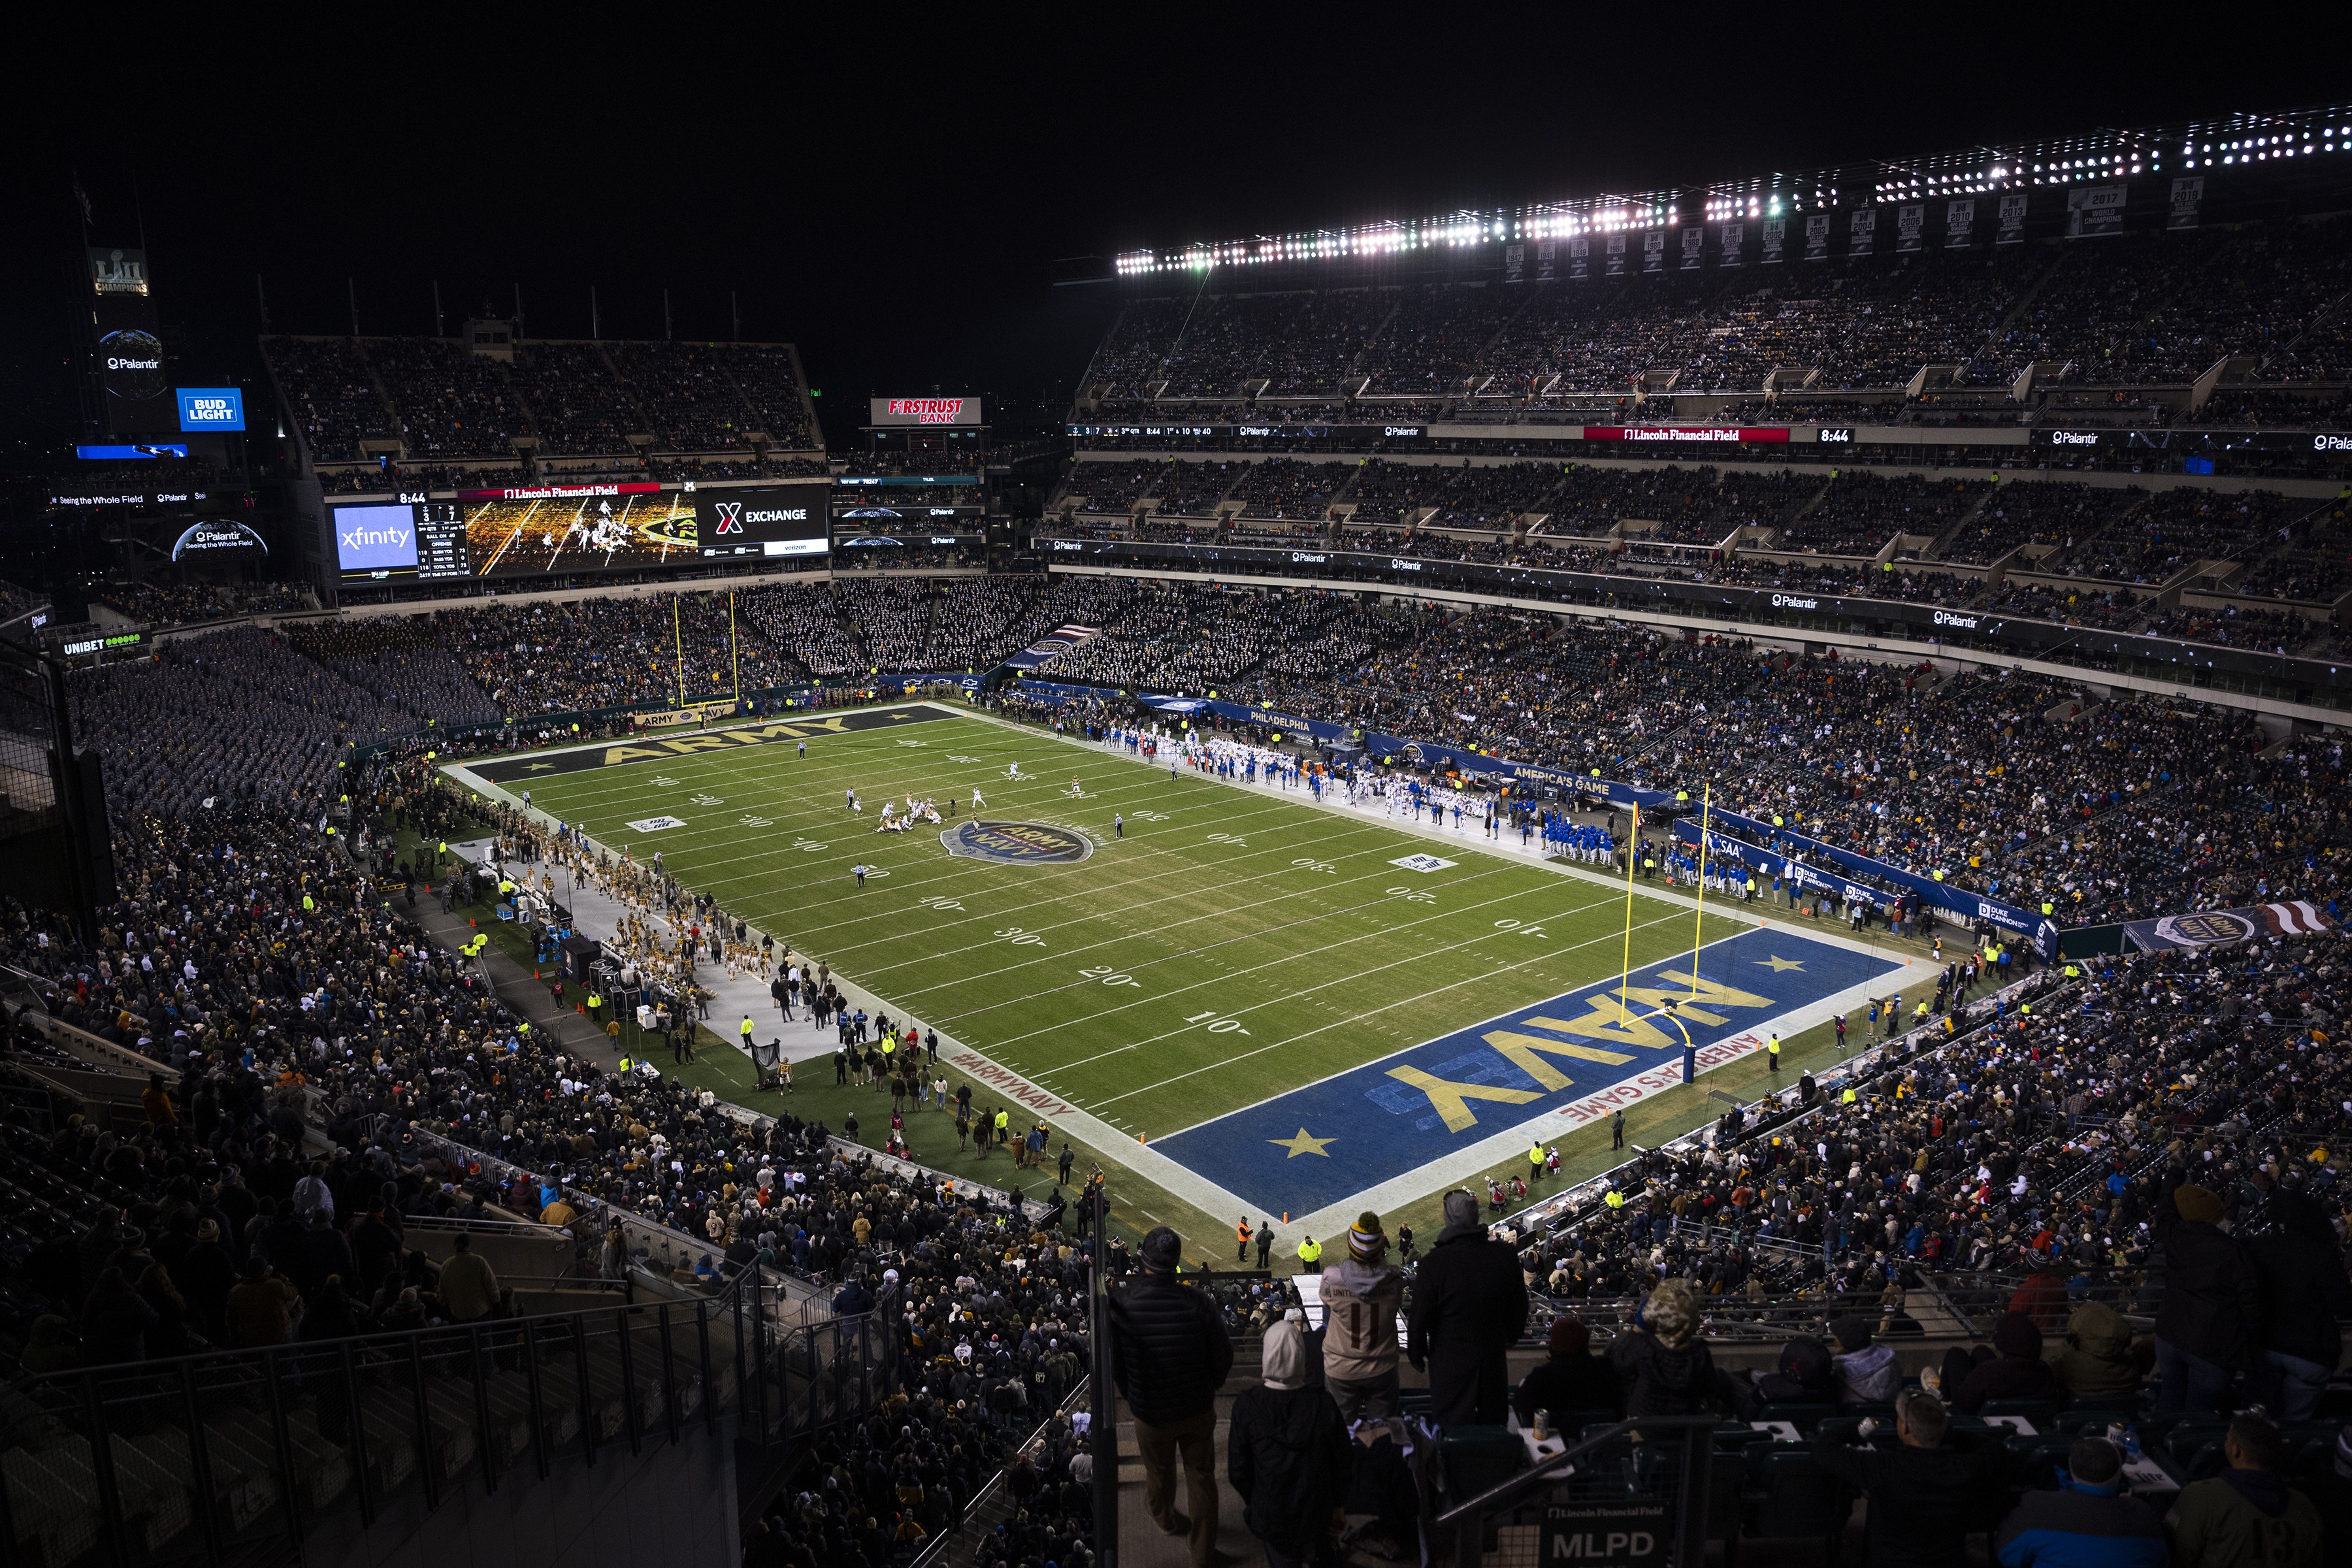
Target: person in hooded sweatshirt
1469, 1306
1666, 1368
1867, 1370
2247, 1514
1803, 1376
2012, 1369
1573, 1379
2212, 1305
1288, 1456
1363, 1295
2098, 1357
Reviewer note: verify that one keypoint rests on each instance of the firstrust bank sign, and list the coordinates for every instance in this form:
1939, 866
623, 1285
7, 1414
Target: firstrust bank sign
922, 410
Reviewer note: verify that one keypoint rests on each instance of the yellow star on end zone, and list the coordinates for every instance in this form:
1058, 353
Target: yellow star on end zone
1303, 1144
1778, 963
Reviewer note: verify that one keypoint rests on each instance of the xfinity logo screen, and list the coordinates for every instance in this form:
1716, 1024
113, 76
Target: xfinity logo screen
761, 521
372, 541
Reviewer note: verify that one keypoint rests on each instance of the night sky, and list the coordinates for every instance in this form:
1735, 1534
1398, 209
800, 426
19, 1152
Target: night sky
895, 197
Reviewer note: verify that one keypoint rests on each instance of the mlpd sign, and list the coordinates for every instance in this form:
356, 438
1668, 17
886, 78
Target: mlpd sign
1606, 1535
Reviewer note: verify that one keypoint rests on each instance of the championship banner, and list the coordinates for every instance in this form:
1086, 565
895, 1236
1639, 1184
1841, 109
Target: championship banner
1616, 265
2187, 194
1694, 238
1862, 233
1544, 251
1958, 219
1734, 239
1776, 233
1910, 226
1512, 257
2219, 928
1653, 251
2012, 220
2094, 210
1580, 257
1817, 237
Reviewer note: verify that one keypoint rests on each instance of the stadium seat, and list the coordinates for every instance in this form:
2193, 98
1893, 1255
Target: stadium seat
1789, 1496
2041, 1413
1803, 1418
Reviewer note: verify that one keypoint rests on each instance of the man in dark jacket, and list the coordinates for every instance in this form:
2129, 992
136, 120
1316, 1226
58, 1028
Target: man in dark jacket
1574, 1379
1170, 1355
1923, 1493
2089, 1521
1469, 1305
2012, 1369
2304, 1293
2212, 1305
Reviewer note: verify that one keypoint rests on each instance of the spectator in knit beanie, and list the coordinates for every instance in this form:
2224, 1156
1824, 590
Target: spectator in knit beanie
1361, 1298
2212, 1305
1574, 1384
1662, 1360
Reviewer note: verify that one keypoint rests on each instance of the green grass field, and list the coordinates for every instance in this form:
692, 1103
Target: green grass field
1235, 944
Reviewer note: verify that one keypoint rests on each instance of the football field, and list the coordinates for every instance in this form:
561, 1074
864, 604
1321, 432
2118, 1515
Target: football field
1296, 1006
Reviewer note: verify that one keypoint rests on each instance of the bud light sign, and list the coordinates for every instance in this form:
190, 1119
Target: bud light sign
211, 408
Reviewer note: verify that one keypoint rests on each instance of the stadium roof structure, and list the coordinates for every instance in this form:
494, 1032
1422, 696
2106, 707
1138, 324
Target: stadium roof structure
2286, 152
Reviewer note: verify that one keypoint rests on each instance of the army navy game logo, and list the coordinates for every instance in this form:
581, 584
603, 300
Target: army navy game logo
1016, 843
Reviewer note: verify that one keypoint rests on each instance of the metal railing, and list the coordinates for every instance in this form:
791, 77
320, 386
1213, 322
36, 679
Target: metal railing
304, 1446
1653, 1477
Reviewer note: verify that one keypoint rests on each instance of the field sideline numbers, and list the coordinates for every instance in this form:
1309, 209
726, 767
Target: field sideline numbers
1529, 927
1412, 895
1020, 938
937, 902
1110, 978
1323, 866
1232, 838
960, 757
1218, 1025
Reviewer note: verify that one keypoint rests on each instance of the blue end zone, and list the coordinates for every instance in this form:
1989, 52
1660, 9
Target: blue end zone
1322, 1144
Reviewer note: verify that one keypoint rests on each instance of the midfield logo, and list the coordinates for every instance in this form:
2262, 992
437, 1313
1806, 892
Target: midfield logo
1016, 843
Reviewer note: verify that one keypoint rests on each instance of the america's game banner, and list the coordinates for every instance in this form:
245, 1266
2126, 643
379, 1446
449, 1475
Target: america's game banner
2220, 928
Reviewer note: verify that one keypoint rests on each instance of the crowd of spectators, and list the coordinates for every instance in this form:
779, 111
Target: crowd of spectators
2075, 603
451, 404
281, 723
616, 652
329, 394
2159, 308
445, 404
686, 393
403, 660
2178, 527
1290, 488
2235, 626
1859, 511
152, 604
2057, 512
